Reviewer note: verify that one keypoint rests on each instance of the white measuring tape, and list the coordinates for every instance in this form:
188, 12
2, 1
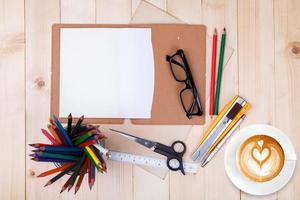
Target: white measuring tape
148, 161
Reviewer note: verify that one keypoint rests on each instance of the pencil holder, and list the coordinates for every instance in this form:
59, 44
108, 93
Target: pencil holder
73, 151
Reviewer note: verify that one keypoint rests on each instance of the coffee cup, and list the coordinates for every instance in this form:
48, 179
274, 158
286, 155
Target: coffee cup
260, 159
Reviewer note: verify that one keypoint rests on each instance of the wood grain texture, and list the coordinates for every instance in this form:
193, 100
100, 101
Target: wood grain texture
12, 100
40, 15
113, 11
256, 64
78, 11
287, 82
264, 69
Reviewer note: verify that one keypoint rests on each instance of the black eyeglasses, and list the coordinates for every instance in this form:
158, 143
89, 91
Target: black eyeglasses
189, 96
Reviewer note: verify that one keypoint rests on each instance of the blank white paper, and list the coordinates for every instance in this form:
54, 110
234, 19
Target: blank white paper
106, 72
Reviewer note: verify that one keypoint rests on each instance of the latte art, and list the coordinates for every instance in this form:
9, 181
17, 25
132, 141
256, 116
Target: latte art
260, 158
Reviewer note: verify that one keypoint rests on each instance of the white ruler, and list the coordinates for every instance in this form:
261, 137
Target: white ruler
148, 161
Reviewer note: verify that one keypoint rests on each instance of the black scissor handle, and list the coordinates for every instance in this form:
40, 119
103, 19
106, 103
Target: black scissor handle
175, 163
179, 147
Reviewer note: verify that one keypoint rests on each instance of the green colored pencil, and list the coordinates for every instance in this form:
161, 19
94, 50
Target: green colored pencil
55, 155
82, 138
220, 70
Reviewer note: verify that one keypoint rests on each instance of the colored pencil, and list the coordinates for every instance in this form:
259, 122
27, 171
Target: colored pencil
53, 132
76, 172
82, 138
88, 129
91, 175
51, 121
77, 126
37, 145
61, 174
69, 124
57, 156
56, 160
220, 70
92, 156
81, 176
56, 169
62, 131
213, 73
87, 143
65, 186
60, 149
99, 156
48, 135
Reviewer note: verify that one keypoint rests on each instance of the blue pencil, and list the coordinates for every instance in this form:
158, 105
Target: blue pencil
61, 149
63, 131
56, 160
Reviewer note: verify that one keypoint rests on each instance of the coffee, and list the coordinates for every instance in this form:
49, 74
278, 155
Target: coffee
260, 158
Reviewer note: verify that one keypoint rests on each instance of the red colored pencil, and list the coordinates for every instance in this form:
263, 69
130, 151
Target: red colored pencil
91, 174
48, 135
87, 143
37, 145
213, 73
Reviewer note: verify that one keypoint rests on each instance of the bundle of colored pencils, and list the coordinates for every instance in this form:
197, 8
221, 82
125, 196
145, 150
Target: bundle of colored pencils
72, 151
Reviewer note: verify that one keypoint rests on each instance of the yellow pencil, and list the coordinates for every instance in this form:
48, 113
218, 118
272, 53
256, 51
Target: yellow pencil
92, 156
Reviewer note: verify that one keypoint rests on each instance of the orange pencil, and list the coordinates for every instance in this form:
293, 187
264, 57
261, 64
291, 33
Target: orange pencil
57, 169
53, 132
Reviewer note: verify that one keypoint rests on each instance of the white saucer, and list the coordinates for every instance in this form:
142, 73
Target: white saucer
245, 184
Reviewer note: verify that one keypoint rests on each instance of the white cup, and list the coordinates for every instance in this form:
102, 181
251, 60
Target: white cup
259, 188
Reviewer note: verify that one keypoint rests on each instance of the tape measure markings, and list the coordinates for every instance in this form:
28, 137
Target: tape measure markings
148, 161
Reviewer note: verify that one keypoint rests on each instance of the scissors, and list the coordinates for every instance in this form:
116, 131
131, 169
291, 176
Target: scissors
174, 153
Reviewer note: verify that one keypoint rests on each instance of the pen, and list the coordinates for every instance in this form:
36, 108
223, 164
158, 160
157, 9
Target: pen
211, 155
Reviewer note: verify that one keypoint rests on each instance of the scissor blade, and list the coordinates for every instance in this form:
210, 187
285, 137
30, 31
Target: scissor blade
147, 143
128, 136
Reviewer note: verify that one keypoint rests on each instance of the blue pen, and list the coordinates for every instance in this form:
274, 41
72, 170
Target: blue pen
63, 131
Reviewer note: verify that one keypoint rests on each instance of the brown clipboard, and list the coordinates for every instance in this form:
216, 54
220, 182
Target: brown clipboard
166, 40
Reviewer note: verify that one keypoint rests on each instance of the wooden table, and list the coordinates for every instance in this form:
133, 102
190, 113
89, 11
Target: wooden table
265, 69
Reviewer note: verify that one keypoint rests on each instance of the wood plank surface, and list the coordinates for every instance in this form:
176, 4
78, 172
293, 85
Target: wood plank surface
287, 82
256, 64
12, 100
264, 69
40, 15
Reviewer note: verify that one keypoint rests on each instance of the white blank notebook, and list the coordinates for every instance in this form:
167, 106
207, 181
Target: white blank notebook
106, 72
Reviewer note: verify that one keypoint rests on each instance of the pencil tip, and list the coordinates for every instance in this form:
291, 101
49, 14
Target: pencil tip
48, 183
224, 30
32, 145
69, 188
53, 116
32, 154
76, 189
215, 32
